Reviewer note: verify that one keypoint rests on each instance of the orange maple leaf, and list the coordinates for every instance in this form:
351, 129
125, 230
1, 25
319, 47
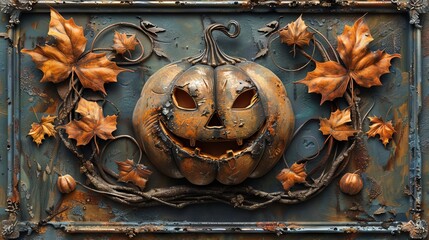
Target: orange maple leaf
44, 127
290, 176
385, 130
58, 61
296, 33
123, 43
91, 124
337, 125
138, 174
331, 79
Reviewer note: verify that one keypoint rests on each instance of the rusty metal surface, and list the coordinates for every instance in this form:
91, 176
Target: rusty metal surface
387, 174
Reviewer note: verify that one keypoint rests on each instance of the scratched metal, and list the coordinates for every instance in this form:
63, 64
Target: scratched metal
388, 167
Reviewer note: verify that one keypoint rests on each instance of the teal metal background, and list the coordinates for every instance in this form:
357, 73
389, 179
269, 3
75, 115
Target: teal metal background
389, 167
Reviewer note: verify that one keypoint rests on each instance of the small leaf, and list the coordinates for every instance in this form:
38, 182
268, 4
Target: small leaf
269, 27
92, 123
95, 69
261, 53
296, 33
159, 52
379, 211
138, 174
385, 130
330, 79
290, 176
337, 125
123, 43
45, 127
152, 28
156, 29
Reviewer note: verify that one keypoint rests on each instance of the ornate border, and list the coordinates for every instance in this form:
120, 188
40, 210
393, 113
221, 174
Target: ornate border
416, 226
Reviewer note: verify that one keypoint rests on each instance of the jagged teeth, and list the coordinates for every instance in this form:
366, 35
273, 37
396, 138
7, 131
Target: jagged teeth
240, 141
197, 151
230, 153
192, 142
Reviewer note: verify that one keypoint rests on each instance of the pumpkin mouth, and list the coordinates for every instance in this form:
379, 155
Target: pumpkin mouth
215, 150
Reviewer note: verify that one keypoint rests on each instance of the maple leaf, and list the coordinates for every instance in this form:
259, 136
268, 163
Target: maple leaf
337, 125
385, 130
44, 127
59, 61
135, 173
360, 64
91, 124
123, 43
296, 33
290, 176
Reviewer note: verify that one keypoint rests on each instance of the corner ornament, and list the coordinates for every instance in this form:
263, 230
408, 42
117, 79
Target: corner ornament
13, 8
414, 7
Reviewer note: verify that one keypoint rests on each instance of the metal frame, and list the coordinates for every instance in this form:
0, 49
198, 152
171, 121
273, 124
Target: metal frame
416, 226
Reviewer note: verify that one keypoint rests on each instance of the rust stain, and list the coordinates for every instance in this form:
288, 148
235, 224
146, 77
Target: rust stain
400, 139
271, 226
47, 106
34, 25
42, 229
425, 39
2, 197
89, 203
387, 182
351, 230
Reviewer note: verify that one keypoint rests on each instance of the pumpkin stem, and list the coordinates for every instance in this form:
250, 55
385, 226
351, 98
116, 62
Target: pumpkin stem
212, 54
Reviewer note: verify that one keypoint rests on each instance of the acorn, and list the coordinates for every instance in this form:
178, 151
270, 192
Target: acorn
66, 184
351, 183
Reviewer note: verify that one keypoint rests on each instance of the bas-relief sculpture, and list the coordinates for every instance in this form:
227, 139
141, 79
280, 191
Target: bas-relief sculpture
212, 117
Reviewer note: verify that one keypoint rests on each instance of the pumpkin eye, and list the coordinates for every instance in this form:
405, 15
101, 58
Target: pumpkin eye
183, 100
246, 99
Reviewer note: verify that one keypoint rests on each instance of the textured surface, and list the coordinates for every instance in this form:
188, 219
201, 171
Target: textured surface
386, 169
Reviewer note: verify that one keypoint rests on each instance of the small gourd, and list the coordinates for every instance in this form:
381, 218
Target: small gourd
351, 183
66, 183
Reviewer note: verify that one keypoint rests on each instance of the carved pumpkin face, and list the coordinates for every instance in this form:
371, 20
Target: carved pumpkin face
205, 122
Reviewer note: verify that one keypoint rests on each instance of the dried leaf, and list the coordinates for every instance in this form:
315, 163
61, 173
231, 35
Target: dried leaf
58, 61
159, 52
385, 130
379, 211
94, 70
152, 28
330, 79
337, 125
361, 65
296, 33
156, 30
91, 124
261, 53
290, 176
123, 43
135, 173
269, 27
45, 127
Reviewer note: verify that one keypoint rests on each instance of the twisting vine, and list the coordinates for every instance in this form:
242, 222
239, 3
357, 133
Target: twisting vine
80, 122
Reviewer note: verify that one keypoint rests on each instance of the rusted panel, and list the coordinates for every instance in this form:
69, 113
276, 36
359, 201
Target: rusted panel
385, 171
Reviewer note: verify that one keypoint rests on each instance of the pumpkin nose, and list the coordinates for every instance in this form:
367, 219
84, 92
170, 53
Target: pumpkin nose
215, 121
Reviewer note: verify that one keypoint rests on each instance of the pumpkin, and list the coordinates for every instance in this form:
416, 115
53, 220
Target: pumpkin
214, 116
66, 184
351, 183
